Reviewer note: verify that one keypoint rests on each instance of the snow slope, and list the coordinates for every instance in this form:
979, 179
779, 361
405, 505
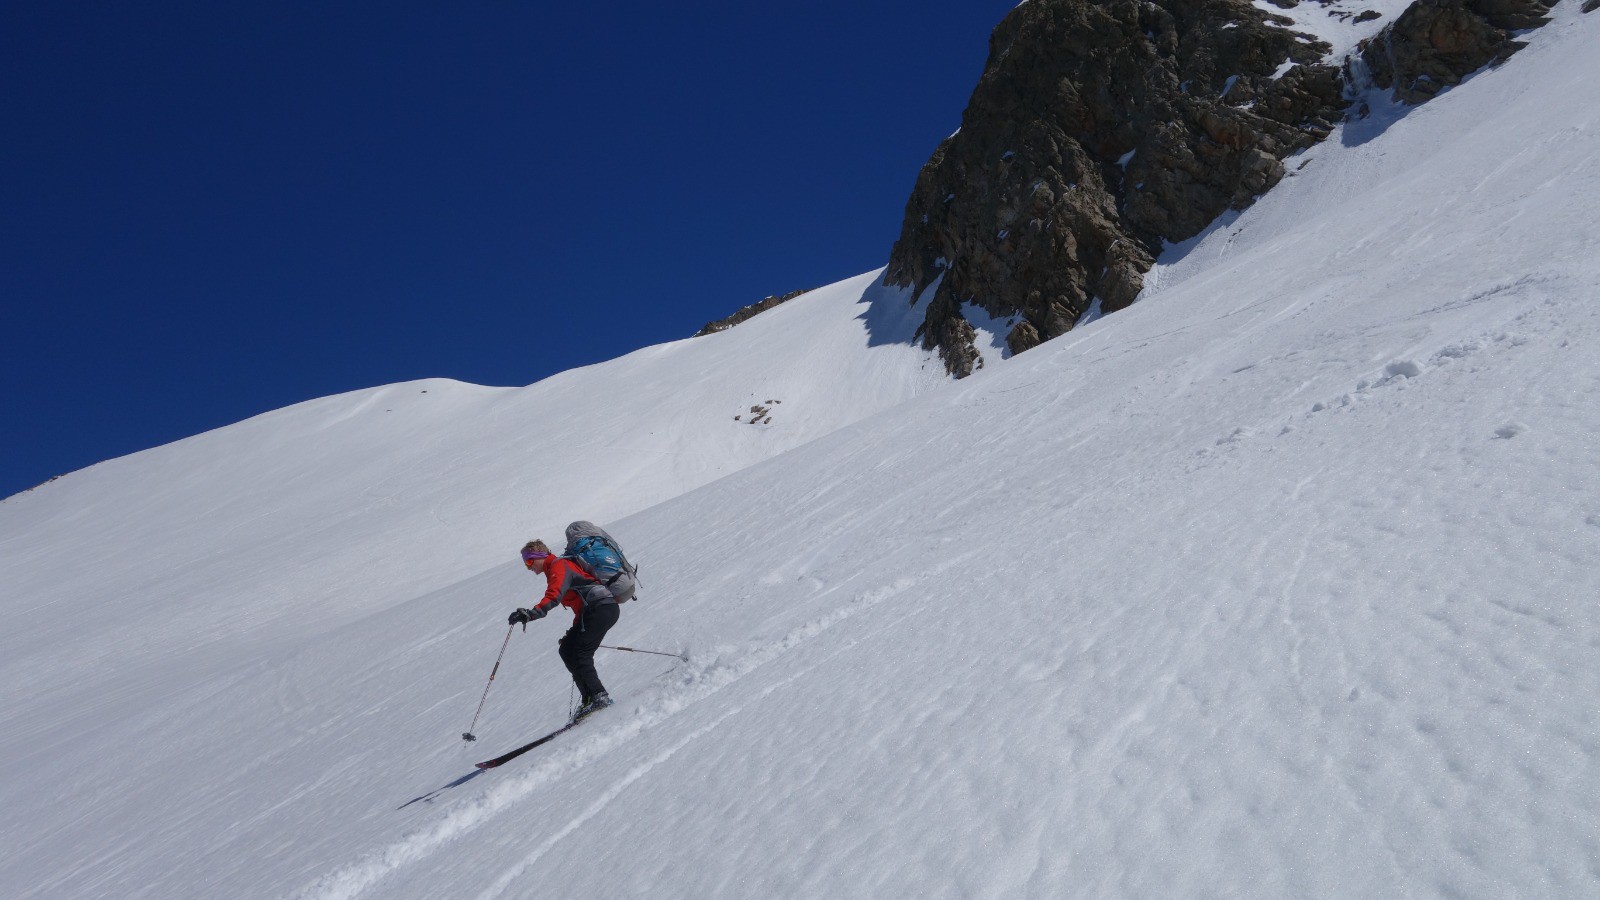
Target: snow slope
1279, 583
177, 568
328, 511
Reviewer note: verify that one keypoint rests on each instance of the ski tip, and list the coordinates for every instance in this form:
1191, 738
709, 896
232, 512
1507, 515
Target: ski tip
487, 765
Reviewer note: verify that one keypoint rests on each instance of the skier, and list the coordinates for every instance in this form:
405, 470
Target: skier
594, 611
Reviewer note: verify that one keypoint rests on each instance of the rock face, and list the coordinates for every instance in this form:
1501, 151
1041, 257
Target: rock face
1437, 43
745, 313
1098, 130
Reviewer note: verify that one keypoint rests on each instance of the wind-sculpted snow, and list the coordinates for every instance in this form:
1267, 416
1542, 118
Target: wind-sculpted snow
1278, 583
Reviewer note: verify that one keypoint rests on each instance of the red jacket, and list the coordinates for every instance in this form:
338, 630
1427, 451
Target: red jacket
568, 584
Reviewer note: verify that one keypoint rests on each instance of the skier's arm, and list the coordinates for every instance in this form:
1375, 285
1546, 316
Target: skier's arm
556, 582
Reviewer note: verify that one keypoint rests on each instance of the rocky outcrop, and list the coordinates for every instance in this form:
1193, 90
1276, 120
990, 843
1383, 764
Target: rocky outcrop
1437, 43
1102, 128
1099, 130
745, 313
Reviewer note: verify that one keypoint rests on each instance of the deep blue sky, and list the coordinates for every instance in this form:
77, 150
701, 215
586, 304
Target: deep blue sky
210, 210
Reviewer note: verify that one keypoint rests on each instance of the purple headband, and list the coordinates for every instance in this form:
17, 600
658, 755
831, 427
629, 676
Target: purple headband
533, 554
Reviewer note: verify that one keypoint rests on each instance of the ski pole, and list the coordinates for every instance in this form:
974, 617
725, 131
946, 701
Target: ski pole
651, 652
468, 735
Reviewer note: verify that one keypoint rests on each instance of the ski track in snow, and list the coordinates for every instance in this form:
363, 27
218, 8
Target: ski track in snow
710, 677
618, 787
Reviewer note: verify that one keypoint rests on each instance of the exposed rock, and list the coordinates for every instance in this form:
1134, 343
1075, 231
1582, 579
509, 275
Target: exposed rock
745, 314
1370, 15
1591, 6
1102, 128
1437, 43
1098, 130
41, 484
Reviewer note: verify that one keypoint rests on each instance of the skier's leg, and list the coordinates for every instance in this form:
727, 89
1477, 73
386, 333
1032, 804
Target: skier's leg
577, 648
567, 649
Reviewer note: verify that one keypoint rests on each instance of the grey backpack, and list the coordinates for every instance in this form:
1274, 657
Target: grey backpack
601, 555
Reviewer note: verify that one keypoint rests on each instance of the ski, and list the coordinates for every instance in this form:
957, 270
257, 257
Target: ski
502, 760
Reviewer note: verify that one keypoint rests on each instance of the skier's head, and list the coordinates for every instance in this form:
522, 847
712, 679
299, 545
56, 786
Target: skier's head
535, 555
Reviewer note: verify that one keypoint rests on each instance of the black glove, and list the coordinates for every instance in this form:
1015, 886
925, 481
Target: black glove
524, 616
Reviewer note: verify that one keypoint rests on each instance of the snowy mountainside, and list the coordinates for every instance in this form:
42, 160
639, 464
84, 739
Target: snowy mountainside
394, 465
1309, 613
197, 556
